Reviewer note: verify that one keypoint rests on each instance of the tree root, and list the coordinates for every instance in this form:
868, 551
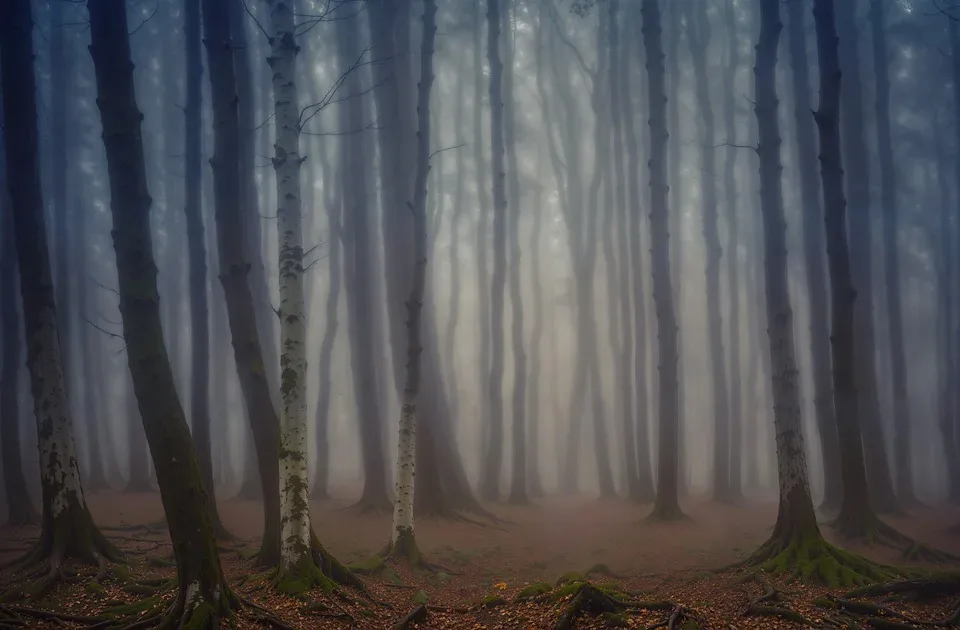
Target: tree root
812, 559
873, 530
760, 606
589, 599
8, 612
417, 615
880, 616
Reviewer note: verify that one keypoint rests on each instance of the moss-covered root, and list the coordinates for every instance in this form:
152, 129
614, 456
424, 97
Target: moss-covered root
595, 600
417, 615
762, 605
405, 548
870, 529
812, 559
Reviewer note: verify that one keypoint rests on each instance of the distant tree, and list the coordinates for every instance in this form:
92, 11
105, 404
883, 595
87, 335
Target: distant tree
67, 530
403, 543
859, 217
20, 510
813, 250
667, 506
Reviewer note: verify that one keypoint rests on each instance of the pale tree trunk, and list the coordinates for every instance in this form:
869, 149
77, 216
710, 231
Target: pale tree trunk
453, 318
294, 479
891, 258
857, 178
67, 527
493, 458
402, 540
698, 37
813, 258
667, 505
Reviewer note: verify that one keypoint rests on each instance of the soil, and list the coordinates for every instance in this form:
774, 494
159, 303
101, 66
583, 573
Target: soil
479, 563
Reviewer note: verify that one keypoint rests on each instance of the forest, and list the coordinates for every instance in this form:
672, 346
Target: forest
479, 314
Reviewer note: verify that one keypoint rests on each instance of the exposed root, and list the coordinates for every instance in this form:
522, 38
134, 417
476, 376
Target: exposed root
812, 559
761, 606
919, 588
405, 548
880, 616
8, 613
593, 600
417, 615
872, 530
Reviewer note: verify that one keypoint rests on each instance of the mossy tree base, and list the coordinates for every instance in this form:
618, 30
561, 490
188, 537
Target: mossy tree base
866, 527
607, 603
405, 548
318, 570
812, 559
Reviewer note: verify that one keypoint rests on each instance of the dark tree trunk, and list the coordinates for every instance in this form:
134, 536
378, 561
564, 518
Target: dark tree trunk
361, 282
891, 246
859, 220
453, 318
731, 68
698, 37
197, 254
493, 457
67, 527
667, 506
645, 489
20, 510
535, 483
954, 262
232, 225
813, 258
203, 595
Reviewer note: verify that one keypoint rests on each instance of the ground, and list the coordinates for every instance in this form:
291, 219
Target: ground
573, 539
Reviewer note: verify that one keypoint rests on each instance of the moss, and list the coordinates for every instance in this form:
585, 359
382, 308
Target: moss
389, 575
136, 608
572, 576
94, 588
200, 618
368, 565
600, 569
121, 572
568, 589
811, 559
301, 578
490, 600
615, 620
420, 597
690, 624
534, 590
825, 602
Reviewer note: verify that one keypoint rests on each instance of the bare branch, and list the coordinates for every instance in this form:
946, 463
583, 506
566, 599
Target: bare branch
458, 146
104, 331
102, 286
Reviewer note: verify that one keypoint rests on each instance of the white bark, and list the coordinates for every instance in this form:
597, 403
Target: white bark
406, 454
294, 480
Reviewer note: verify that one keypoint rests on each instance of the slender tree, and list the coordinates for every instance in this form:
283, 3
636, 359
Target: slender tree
68, 530
403, 542
667, 506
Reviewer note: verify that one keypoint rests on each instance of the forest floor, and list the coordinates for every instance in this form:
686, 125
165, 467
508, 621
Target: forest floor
605, 542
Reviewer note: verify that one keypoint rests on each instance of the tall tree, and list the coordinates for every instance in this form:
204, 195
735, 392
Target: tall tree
493, 458
698, 37
667, 505
860, 223
359, 242
203, 596
813, 253
231, 226
403, 542
20, 510
891, 260
68, 530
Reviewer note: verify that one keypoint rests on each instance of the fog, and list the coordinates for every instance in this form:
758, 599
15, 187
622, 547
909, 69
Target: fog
542, 354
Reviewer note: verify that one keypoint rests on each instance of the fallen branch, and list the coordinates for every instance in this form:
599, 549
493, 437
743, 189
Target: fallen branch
417, 615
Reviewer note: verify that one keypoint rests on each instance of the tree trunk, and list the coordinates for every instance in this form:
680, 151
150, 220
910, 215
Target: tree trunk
231, 226
493, 458
858, 193
402, 541
667, 506
698, 37
518, 482
203, 595
891, 259
359, 242
813, 246
535, 482
731, 68
954, 262
453, 317
67, 527
20, 510
645, 489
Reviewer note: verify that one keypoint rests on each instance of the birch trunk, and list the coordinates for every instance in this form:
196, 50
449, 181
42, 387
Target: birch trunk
402, 540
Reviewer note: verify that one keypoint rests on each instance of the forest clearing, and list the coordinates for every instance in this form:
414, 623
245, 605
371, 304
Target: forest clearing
505, 575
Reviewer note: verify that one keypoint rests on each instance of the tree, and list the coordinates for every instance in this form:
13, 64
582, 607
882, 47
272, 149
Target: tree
67, 530
197, 253
698, 37
234, 272
203, 595
493, 458
858, 192
813, 250
20, 510
666, 506
891, 246
403, 542
359, 242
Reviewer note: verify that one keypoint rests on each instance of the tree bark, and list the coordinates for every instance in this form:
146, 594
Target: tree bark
813, 256
859, 219
666, 506
231, 226
203, 594
67, 527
